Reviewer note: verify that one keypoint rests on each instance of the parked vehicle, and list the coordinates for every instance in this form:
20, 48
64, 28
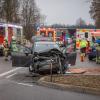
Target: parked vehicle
9, 30
92, 53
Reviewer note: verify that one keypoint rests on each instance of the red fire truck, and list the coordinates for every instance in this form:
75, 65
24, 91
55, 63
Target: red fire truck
9, 30
47, 32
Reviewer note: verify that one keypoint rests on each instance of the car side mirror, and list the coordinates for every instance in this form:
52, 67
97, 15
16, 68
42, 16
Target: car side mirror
26, 53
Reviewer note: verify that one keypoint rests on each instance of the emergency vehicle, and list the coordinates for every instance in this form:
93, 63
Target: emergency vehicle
47, 32
65, 35
87, 33
9, 30
96, 33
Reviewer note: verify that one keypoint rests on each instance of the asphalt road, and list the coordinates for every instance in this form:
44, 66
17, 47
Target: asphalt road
4, 66
16, 91
19, 84
86, 63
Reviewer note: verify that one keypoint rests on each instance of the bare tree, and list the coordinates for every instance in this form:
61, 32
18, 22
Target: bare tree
1, 9
30, 15
21, 11
9, 10
95, 12
80, 22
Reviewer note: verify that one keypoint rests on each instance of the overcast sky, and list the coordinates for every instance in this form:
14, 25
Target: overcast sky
64, 11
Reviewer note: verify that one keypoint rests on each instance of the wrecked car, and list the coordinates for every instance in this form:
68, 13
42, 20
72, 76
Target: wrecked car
41, 57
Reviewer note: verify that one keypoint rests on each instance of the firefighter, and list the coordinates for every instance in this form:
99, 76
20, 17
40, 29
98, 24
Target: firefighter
93, 39
77, 44
88, 45
83, 45
13, 45
98, 51
6, 49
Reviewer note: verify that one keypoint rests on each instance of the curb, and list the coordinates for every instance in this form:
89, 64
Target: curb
87, 90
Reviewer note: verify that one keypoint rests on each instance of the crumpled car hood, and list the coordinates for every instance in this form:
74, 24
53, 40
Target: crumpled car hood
50, 52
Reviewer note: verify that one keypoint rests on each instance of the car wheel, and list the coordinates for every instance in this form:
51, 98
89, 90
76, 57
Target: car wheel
90, 58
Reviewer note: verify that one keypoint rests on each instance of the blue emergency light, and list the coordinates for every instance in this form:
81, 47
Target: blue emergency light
98, 41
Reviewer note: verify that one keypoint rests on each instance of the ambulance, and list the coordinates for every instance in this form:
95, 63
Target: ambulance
87, 34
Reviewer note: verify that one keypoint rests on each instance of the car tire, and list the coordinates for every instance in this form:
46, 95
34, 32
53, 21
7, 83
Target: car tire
1, 53
90, 58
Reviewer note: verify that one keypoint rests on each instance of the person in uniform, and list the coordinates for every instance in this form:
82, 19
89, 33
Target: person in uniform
98, 51
13, 45
83, 45
6, 49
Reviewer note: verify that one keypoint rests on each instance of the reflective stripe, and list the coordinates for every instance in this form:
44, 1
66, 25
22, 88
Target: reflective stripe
83, 44
13, 46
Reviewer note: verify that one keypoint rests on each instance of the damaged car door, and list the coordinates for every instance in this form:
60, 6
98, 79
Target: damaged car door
22, 57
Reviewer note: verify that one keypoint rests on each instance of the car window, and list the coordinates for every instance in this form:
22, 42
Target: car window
45, 46
23, 49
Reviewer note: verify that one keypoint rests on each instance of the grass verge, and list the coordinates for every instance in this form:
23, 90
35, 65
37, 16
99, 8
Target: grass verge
90, 81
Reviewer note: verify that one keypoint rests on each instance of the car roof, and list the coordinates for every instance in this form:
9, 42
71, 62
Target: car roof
45, 42
41, 38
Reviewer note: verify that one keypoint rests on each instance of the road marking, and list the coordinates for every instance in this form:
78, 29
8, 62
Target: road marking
8, 72
11, 75
24, 84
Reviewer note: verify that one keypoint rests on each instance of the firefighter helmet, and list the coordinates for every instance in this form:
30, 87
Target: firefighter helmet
13, 38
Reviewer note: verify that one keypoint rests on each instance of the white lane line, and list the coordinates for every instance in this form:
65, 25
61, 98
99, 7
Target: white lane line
11, 75
24, 84
8, 72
